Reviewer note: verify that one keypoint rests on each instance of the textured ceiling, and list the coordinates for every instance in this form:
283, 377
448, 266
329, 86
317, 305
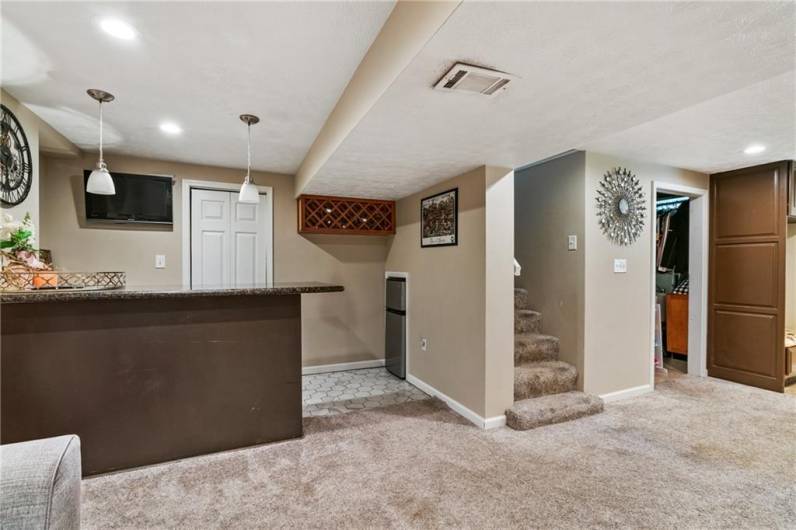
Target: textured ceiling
198, 64
711, 136
587, 71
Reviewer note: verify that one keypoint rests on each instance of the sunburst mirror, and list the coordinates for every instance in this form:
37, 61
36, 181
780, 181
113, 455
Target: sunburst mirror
621, 206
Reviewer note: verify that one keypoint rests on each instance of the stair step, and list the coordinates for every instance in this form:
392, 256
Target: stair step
533, 347
555, 408
520, 298
527, 321
542, 378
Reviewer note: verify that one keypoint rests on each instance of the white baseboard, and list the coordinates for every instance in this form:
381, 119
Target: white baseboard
495, 421
340, 367
626, 393
478, 420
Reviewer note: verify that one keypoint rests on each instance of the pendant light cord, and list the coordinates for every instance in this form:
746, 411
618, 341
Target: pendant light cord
102, 161
249, 153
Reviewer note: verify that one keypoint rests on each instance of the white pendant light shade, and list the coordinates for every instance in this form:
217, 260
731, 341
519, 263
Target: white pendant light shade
100, 181
249, 193
248, 190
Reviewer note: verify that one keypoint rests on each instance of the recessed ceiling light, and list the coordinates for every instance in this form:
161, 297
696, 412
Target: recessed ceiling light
169, 127
754, 149
117, 28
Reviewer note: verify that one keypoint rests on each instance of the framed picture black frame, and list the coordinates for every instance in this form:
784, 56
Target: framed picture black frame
451, 237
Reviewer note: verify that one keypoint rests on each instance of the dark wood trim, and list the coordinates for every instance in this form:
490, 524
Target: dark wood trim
792, 192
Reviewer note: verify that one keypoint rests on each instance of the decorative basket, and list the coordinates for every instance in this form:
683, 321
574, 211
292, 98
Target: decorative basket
15, 279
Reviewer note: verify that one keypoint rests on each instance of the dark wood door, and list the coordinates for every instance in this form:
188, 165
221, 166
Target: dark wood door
746, 326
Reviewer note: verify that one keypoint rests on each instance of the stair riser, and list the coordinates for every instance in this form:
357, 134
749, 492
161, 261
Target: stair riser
519, 423
534, 351
525, 389
520, 299
523, 324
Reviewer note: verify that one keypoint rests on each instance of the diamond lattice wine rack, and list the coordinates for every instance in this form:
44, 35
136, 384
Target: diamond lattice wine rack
344, 215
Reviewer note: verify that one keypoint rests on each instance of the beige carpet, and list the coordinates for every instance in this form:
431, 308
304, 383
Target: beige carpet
695, 454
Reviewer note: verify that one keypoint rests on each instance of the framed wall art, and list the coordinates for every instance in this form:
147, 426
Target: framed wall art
439, 219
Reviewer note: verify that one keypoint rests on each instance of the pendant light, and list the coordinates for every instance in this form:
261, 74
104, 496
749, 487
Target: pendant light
248, 190
100, 181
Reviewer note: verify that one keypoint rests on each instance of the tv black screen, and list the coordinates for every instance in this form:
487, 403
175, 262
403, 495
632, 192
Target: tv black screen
138, 199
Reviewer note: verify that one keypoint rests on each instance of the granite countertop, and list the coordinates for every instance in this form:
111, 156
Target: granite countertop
139, 292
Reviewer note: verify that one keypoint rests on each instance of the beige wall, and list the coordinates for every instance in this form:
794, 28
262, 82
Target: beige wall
499, 278
337, 327
617, 306
461, 297
30, 124
446, 293
790, 279
549, 206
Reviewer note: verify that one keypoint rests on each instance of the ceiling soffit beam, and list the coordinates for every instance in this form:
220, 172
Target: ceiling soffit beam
407, 30
53, 143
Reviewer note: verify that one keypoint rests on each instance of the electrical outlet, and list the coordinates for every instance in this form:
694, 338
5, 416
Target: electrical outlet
572, 242
160, 261
620, 266
424, 344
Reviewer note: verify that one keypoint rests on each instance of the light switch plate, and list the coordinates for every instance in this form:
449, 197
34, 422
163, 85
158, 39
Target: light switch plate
424, 344
572, 242
620, 265
160, 261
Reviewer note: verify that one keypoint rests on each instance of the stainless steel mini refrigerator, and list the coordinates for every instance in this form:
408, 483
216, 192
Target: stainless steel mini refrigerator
395, 336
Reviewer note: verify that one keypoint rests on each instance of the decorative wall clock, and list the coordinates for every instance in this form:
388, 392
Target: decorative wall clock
15, 160
621, 206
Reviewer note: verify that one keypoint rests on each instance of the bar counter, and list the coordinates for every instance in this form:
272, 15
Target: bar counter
146, 375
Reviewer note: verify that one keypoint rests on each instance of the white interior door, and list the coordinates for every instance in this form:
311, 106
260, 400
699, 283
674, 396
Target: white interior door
210, 241
230, 240
247, 233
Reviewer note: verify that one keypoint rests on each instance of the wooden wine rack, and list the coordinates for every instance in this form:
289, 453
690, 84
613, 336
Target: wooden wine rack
319, 214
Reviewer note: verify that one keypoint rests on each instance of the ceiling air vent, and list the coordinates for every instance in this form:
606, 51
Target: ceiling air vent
474, 79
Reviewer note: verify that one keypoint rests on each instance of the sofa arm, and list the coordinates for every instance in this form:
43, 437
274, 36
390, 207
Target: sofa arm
40, 483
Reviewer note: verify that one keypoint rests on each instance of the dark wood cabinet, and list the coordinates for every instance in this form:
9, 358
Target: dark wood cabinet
792, 192
677, 323
318, 214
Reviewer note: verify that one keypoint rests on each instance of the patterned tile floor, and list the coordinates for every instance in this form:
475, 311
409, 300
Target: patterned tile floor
341, 392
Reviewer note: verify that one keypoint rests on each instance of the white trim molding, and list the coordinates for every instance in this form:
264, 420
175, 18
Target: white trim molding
476, 419
341, 367
495, 422
626, 393
698, 251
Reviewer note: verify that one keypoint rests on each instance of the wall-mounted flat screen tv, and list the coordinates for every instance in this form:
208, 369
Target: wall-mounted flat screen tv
138, 199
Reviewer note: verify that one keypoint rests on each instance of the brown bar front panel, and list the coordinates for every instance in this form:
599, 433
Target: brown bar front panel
146, 381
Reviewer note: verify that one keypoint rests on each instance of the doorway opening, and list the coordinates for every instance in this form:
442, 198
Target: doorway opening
225, 243
679, 279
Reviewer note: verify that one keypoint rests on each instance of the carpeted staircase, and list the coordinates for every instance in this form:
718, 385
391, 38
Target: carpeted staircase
544, 387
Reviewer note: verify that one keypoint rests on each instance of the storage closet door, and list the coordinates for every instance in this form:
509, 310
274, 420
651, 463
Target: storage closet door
210, 238
229, 240
247, 235
747, 276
